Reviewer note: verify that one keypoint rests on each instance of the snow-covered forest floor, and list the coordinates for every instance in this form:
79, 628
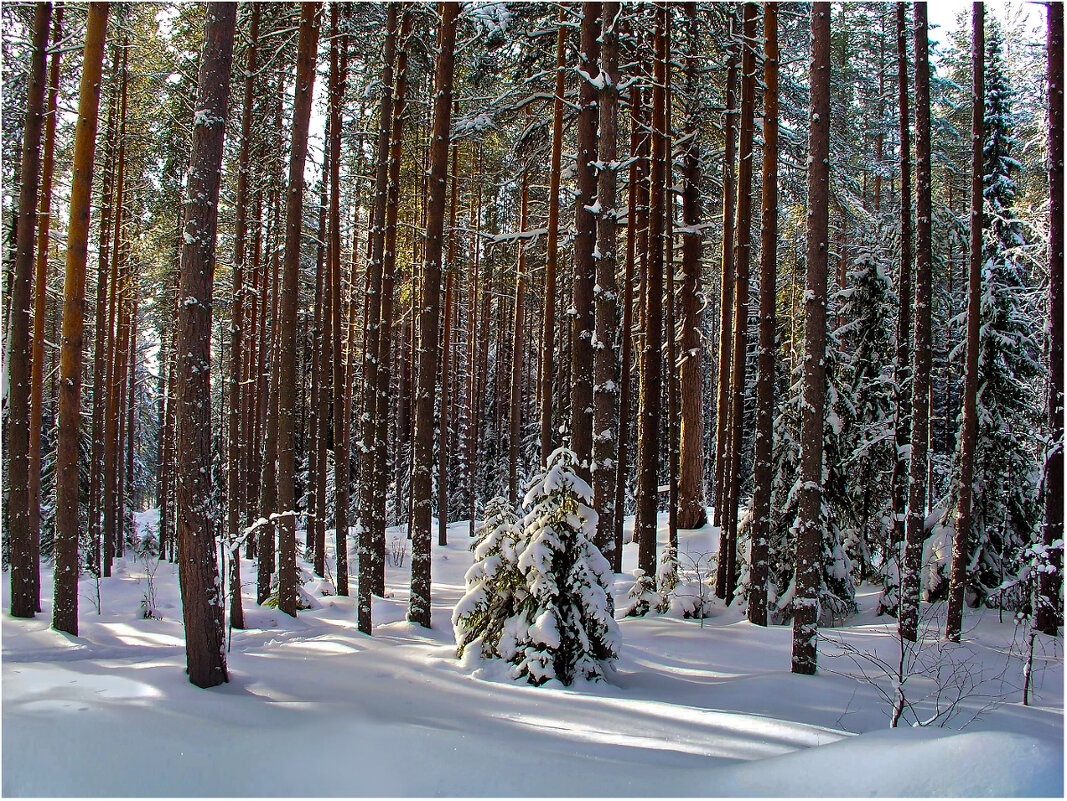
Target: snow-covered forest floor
314, 708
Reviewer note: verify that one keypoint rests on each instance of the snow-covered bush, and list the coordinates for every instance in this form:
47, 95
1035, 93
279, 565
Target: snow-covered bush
538, 599
495, 585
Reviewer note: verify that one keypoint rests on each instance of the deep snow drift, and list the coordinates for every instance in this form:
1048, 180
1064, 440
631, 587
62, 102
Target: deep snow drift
315, 708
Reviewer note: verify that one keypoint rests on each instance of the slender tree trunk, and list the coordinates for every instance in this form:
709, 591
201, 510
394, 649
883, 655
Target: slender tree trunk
742, 259
1050, 606
969, 435
23, 565
40, 295
369, 480
421, 479
474, 384
768, 296
651, 367
446, 365
810, 525
114, 330
915, 533
726, 303
606, 379
65, 594
903, 354
287, 385
235, 477
548, 343
582, 322
198, 575
338, 79
517, 347
635, 198
692, 504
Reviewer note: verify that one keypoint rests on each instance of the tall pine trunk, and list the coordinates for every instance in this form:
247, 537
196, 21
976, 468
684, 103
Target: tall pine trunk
969, 435
23, 566
421, 478
289, 300
768, 297
810, 525
198, 576
65, 594
915, 531
1049, 604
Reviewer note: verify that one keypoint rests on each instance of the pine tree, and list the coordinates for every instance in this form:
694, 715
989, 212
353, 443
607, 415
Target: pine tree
1004, 513
867, 380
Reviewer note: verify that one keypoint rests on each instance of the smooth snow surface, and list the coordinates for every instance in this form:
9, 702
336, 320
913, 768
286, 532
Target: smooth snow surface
314, 708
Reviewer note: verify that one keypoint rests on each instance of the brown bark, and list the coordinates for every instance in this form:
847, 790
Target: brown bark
915, 532
584, 274
651, 367
367, 501
762, 465
962, 540
202, 611
692, 504
65, 595
742, 259
235, 476
289, 299
446, 364
726, 303
515, 411
606, 370
421, 481
23, 564
338, 78
903, 354
635, 198
548, 342
1049, 605
810, 529
40, 295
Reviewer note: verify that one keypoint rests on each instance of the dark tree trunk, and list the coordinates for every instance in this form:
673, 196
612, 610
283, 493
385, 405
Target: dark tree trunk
235, 477
606, 378
903, 354
65, 595
368, 479
768, 296
23, 565
447, 377
421, 477
692, 504
198, 574
1049, 605
810, 527
40, 295
289, 300
726, 303
651, 367
583, 321
961, 544
517, 346
915, 532
742, 259
548, 342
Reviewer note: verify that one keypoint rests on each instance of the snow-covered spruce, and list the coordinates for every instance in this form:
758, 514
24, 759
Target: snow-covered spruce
539, 599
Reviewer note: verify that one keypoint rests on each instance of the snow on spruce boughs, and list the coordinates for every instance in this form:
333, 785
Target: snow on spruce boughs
538, 599
495, 586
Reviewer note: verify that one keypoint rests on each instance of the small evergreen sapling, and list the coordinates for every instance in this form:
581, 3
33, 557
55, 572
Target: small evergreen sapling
539, 599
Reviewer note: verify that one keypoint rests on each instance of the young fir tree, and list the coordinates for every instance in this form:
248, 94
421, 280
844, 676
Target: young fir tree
1006, 473
868, 377
837, 596
539, 599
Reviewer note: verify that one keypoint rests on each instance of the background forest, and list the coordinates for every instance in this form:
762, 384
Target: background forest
539, 268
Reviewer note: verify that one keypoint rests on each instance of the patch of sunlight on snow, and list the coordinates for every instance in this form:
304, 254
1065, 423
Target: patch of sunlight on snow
701, 673
324, 647
719, 745
103, 686
129, 635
